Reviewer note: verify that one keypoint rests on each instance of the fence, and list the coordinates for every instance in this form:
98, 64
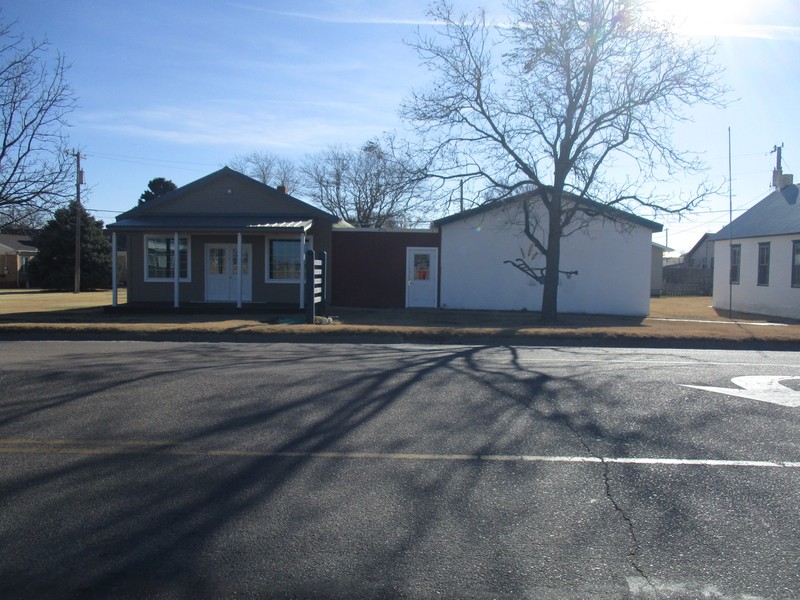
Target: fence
685, 281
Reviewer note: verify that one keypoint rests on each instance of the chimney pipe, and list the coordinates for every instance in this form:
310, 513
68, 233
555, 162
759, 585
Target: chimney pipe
282, 189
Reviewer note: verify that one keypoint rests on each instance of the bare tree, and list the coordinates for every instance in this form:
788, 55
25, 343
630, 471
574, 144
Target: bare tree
269, 169
36, 175
368, 187
326, 180
579, 85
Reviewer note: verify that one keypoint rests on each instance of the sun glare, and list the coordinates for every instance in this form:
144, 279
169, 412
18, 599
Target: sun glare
701, 17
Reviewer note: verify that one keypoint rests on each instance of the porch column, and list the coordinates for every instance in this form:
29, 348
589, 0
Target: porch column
114, 268
240, 265
303, 270
176, 263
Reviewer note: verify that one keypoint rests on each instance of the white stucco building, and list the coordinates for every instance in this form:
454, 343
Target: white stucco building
757, 258
611, 253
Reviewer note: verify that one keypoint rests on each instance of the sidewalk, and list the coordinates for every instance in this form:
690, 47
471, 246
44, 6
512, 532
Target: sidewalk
673, 322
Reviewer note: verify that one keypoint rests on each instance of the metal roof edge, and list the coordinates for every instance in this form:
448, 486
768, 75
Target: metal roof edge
599, 206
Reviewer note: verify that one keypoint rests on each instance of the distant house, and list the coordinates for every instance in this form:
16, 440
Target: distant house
16, 251
701, 256
204, 228
607, 261
692, 273
758, 258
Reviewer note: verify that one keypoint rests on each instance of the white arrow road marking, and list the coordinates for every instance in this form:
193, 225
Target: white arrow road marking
762, 388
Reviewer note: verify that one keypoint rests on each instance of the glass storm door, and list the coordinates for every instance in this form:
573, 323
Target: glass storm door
422, 277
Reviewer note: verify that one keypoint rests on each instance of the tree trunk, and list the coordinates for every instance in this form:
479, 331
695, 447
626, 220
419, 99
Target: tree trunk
552, 262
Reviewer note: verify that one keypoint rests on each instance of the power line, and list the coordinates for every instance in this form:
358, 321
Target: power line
102, 210
149, 161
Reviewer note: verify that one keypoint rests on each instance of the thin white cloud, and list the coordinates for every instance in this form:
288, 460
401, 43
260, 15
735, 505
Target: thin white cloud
741, 30
243, 127
338, 18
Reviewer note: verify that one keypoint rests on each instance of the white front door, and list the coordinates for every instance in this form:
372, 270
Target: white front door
222, 273
422, 277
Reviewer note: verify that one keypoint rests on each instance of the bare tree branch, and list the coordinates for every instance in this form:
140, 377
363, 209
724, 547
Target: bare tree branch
269, 169
35, 99
369, 187
579, 84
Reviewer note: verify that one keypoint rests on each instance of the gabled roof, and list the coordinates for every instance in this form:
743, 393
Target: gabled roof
16, 244
699, 244
608, 212
777, 214
170, 210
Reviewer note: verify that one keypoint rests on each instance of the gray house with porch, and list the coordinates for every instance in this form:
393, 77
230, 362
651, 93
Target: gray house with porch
204, 228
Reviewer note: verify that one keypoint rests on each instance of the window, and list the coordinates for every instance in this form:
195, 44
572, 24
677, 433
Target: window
284, 260
160, 253
763, 263
216, 261
736, 257
796, 263
422, 267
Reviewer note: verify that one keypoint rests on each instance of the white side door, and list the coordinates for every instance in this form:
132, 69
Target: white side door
422, 277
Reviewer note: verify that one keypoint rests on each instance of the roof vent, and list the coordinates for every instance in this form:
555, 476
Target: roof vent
282, 189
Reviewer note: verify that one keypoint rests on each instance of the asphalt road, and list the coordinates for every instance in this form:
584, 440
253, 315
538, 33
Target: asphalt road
141, 469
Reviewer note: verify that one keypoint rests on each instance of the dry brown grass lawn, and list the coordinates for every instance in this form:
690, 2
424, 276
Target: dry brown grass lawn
16, 301
683, 307
671, 318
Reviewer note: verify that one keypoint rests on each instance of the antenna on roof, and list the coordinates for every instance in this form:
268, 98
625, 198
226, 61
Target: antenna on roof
730, 226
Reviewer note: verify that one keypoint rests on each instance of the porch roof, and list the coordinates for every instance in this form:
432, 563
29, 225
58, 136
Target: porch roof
213, 223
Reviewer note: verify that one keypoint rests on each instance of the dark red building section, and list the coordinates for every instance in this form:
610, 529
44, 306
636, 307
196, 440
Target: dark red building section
368, 267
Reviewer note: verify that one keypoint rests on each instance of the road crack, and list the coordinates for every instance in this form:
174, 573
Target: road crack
635, 547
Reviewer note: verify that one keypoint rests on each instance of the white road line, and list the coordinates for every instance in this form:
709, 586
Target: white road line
761, 324
83, 447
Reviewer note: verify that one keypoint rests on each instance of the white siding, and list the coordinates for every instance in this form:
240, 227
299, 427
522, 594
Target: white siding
613, 264
778, 299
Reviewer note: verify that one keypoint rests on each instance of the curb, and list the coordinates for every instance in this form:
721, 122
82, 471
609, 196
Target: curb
438, 337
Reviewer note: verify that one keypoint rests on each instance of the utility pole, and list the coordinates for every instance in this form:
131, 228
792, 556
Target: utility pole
78, 214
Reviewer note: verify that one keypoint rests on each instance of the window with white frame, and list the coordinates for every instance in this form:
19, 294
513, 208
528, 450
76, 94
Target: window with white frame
763, 263
284, 259
160, 256
736, 257
796, 263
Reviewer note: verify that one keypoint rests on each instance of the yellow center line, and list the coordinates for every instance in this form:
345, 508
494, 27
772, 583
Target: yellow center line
177, 448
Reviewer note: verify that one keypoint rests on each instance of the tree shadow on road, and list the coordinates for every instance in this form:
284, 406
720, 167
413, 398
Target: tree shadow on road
328, 471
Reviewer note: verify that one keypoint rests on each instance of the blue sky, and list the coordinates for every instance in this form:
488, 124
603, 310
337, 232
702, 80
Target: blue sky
176, 88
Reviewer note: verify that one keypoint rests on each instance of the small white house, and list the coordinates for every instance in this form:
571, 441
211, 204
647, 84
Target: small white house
757, 258
606, 260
